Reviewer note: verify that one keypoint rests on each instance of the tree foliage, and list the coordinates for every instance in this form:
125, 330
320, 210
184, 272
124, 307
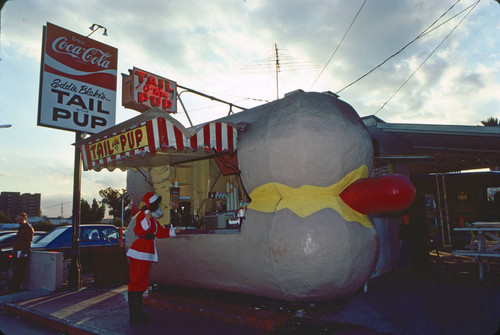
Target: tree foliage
113, 197
491, 122
92, 214
5, 218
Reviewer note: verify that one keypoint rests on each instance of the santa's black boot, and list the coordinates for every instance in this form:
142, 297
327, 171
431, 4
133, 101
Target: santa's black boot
135, 307
132, 307
144, 317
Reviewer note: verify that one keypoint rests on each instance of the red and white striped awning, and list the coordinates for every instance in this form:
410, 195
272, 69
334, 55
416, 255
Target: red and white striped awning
154, 139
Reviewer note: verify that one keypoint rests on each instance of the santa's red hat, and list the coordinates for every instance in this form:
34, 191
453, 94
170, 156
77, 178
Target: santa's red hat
150, 198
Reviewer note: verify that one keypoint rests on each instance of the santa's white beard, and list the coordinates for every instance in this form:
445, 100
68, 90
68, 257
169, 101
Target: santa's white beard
157, 213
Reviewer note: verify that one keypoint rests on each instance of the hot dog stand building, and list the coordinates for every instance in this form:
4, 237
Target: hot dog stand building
281, 200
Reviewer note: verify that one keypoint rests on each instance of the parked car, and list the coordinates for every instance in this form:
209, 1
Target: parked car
7, 243
4, 232
8, 240
92, 237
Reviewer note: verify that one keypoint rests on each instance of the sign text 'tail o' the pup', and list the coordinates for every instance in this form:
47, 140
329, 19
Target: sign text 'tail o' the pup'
143, 90
77, 82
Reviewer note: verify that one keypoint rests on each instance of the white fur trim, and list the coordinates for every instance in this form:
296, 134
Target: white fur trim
145, 256
145, 224
153, 198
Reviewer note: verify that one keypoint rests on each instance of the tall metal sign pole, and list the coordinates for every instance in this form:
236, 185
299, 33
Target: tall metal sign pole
75, 270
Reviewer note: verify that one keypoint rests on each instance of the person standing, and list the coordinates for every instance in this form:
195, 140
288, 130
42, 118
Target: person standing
21, 251
142, 253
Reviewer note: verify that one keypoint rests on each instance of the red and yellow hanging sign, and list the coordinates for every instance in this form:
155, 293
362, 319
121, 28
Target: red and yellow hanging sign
143, 90
118, 144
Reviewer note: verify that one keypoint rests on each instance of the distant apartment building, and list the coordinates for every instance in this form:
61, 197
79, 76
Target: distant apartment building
12, 203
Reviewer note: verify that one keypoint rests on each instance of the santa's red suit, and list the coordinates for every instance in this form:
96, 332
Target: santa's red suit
143, 252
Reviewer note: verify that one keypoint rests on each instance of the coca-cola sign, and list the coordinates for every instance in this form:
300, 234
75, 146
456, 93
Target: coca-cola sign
78, 82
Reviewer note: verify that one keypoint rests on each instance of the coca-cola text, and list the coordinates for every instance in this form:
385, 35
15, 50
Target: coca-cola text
91, 55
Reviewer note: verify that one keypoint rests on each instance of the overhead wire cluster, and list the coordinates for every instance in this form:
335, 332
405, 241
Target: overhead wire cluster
428, 30
340, 43
470, 8
277, 59
60, 204
278, 62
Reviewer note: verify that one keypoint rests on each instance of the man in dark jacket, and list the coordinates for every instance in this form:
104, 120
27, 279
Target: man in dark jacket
21, 251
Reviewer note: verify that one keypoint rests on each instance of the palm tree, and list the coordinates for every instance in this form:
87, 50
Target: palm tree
491, 122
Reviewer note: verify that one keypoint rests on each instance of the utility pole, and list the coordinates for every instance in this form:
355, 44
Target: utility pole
277, 69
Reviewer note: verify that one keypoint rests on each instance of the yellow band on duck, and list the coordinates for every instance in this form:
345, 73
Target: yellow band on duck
308, 199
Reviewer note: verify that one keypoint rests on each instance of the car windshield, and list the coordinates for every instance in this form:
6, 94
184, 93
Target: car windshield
36, 237
50, 236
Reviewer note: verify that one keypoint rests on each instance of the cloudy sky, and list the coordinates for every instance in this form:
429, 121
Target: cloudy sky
227, 48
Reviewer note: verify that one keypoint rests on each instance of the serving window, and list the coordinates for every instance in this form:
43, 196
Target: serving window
204, 196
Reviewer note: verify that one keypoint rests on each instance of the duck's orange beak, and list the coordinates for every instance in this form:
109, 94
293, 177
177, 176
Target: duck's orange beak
383, 194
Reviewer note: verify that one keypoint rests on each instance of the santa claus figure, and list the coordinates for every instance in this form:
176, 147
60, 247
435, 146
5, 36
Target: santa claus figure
143, 252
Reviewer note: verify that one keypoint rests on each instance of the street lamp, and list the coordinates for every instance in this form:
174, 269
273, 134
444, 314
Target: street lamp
95, 27
121, 227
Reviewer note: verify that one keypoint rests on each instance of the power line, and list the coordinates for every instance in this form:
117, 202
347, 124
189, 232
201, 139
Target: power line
338, 46
286, 63
425, 32
59, 204
277, 68
429, 56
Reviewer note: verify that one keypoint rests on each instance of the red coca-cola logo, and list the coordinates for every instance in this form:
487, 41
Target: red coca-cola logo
92, 56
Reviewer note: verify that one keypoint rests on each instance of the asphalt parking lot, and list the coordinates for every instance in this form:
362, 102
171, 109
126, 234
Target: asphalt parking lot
447, 298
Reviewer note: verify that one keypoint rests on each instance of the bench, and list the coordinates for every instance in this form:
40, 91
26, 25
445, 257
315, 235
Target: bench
474, 253
479, 257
